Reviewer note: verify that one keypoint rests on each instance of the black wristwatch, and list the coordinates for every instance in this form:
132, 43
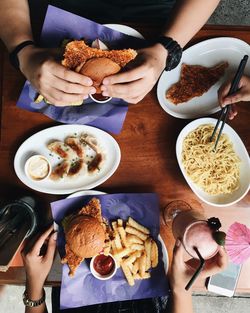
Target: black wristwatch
13, 55
174, 51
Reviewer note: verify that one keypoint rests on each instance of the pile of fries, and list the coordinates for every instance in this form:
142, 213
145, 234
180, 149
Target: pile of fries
133, 249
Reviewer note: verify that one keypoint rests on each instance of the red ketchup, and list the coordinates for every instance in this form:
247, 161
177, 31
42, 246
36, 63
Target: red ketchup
100, 97
103, 264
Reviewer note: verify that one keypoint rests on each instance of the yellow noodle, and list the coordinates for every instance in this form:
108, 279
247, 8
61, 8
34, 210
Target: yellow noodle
215, 172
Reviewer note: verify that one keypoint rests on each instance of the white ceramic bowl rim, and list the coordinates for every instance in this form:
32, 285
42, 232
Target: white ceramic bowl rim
100, 101
27, 163
99, 276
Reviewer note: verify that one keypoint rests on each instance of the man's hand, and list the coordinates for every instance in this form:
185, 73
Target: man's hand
243, 94
59, 85
38, 266
134, 84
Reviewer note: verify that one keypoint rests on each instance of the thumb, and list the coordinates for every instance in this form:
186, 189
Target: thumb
178, 252
51, 247
234, 98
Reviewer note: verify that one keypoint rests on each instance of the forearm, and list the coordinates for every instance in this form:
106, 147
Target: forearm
15, 24
181, 302
35, 292
187, 18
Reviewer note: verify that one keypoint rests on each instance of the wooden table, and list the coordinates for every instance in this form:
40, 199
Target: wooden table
148, 162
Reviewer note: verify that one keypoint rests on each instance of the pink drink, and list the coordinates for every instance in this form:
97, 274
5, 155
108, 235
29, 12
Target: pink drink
195, 232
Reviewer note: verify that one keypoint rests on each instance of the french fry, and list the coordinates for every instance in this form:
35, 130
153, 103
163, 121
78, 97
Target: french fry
135, 267
134, 231
127, 274
120, 254
122, 234
114, 226
119, 222
136, 246
148, 245
142, 264
113, 247
39, 98
133, 239
132, 257
107, 248
138, 226
145, 276
118, 243
154, 254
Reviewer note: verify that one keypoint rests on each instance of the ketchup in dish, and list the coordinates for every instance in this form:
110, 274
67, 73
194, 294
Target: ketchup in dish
103, 264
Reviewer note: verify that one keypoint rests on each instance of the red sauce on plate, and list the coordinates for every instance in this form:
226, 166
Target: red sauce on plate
100, 97
103, 264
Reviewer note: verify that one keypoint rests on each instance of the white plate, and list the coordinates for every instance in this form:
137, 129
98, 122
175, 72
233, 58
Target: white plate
238, 145
36, 144
125, 30
208, 53
96, 192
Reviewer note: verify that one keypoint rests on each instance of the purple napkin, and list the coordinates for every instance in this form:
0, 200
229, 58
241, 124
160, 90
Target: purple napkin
58, 25
84, 289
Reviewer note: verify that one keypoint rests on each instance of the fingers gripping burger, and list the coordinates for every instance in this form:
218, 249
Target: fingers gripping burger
84, 234
95, 63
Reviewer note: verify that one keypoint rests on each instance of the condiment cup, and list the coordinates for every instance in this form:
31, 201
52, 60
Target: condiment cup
100, 276
29, 169
100, 101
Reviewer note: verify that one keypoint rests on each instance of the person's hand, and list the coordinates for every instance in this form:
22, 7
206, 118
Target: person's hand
59, 85
181, 271
133, 84
38, 266
243, 94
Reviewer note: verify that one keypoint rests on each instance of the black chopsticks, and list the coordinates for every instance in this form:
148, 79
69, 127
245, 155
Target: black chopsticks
226, 109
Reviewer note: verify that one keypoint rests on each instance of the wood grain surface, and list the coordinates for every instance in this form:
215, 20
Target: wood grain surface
148, 162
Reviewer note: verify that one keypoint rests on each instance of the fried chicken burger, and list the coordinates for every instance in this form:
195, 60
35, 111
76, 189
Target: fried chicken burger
84, 235
95, 63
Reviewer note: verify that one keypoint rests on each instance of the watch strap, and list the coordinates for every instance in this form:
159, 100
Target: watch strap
174, 52
13, 56
33, 303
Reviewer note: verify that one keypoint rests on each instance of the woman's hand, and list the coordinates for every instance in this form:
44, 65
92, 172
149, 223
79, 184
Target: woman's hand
59, 85
243, 94
134, 84
181, 271
38, 266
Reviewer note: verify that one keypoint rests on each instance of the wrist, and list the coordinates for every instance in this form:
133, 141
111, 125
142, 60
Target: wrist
24, 56
34, 289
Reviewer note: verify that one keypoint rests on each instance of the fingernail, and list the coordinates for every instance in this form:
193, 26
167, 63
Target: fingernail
103, 88
55, 235
105, 94
89, 82
85, 97
106, 81
92, 91
178, 243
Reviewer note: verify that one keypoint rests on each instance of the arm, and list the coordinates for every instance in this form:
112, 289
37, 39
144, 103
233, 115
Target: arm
181, 273
57, 84
37, 268
187, 18
243, 94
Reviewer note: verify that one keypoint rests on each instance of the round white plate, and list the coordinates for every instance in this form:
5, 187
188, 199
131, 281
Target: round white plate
96, 192
37, 144
238, 145
207, 53
125, 30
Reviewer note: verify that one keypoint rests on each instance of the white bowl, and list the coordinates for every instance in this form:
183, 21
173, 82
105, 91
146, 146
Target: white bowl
239, 147
98, 275
33, 159
100, 101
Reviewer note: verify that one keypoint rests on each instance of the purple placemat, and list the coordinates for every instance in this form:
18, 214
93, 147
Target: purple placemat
84, 289
58, 25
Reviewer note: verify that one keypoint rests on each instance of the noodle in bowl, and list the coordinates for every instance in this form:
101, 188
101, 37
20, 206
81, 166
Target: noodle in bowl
220, 177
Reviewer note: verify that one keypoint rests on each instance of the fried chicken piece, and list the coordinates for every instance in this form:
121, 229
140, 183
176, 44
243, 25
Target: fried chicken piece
72, 260
93, 208
77, 53
194, 82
